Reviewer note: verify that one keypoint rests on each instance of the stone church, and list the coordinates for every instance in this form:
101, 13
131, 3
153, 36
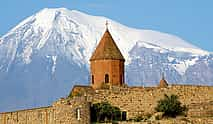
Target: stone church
107, 63
108, 84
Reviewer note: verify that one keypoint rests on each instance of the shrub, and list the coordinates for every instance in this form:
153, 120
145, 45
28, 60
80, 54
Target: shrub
171, 106
104, 112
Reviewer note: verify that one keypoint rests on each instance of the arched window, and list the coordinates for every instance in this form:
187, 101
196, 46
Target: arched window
92, 79
106, 78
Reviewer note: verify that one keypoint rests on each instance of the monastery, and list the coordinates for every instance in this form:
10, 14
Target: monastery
108, 84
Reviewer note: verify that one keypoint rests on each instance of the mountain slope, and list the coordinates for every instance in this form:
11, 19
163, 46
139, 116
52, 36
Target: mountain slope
46, 54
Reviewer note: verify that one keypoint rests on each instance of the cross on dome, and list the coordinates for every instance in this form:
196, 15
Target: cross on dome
107, 23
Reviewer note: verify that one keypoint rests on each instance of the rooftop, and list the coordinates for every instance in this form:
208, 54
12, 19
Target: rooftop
107, 49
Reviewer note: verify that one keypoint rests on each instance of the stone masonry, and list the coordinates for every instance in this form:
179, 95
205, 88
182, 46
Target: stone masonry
135, 101
139, 101
61, 112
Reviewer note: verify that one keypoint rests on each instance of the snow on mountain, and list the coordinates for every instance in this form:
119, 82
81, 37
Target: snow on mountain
87, 30
47, 53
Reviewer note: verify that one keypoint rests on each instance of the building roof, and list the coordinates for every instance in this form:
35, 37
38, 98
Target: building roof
163, 83
107, 49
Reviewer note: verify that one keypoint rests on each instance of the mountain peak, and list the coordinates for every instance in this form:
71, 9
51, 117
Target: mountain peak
58, 10
83, 32
51, 50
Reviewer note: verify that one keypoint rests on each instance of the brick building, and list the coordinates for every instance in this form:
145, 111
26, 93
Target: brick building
107, 63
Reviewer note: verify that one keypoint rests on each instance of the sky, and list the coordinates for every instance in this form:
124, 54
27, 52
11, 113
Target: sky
191, 20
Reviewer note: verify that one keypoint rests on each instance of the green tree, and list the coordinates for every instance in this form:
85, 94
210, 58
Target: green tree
101, 112
171, 106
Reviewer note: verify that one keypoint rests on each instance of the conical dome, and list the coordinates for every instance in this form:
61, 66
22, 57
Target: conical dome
107, 49
163, 83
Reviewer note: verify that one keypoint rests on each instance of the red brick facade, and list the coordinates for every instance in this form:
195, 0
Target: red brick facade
107, 71
107, 63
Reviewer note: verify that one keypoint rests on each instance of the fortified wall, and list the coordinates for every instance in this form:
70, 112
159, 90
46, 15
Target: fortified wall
74, 111
139, 101
134, 101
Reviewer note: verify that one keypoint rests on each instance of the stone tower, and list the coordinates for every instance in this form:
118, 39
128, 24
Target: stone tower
107, 63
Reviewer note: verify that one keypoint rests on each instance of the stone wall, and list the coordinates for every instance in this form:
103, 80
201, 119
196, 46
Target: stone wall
183, 120
136, 101
32, 116
66, 111
139, 101
62, 112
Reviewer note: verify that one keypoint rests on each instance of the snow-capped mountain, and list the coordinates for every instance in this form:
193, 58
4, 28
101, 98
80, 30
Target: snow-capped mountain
47, 53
